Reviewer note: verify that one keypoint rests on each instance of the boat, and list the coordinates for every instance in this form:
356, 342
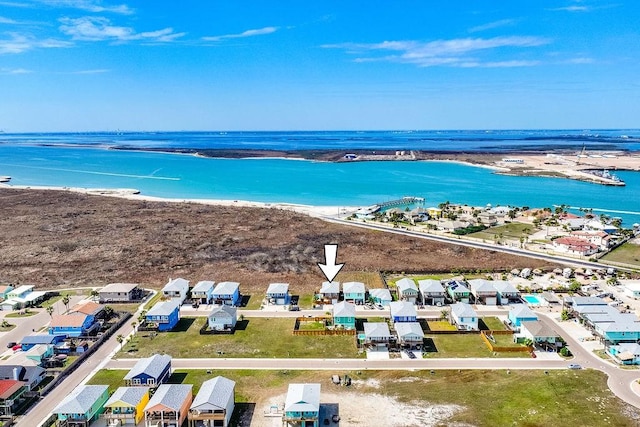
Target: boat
5, 178
609, 177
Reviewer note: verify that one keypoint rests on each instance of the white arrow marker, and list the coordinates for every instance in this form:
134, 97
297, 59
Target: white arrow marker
330, 269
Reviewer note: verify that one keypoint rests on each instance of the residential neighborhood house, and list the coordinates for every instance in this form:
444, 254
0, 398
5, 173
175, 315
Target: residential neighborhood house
302, 406
214, 403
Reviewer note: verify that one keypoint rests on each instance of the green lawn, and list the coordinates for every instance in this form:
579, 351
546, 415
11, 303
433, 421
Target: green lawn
511, 231
254, 301
493, 324
311, 326
255, 337
22, 313
627, 253
305, 302
440, 325
488, 398
461, 345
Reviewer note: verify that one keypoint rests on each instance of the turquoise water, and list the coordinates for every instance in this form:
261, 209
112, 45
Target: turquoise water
531, 299
306, 182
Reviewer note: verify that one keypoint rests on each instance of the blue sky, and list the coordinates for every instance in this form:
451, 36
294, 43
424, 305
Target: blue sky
89, 65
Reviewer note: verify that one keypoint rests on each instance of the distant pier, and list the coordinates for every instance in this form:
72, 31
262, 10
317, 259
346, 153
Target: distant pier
400, 202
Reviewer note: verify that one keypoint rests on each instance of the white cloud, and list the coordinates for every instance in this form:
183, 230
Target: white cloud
97, 71
19, 43
4, 20
573, 8
491, 25
99, 28
14, 4
14, 71
580, 60
248, 33
452, 52
95, 6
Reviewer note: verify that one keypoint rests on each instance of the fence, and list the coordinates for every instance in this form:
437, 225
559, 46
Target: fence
325, 331
502, 349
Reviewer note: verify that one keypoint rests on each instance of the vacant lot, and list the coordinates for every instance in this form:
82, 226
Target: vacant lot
628, 253
511, 231
481, 398
57, 238
462, 345
255, 337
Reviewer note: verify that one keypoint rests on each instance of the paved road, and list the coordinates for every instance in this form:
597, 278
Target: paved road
204, 310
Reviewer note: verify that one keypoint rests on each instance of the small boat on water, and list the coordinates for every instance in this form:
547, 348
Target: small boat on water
5, 178
607, 176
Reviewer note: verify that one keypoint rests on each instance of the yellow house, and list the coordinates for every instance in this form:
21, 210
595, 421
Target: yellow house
434, 212
127, 405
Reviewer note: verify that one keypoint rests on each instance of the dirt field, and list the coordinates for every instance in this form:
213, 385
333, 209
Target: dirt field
62, 239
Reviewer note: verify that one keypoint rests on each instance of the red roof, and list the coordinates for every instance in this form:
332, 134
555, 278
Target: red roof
68, 320
88, 307
8, 387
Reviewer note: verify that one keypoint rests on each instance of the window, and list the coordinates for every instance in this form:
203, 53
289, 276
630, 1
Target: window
151, 381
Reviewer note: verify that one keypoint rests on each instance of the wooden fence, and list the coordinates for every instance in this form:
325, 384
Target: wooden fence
501, 349
325, 331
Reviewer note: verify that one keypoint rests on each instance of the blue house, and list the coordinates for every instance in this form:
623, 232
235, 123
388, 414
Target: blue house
226, 293
354, 292
164, 315
202, 291
149, 372
620, 331
32, 340
403, 311
521, 313
302, 405
73, 325
278, 294
380, 296
626, 353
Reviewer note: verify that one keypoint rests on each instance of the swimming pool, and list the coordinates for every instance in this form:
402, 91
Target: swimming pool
532, 299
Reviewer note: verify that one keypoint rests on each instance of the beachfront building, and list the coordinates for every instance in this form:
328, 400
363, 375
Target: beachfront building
431, 292
214, 403
201, 292
302, 406
226, 293
164, 316
82, 406
126, 406
403, 311
344, 315
150, 371
329, 292
458, 291
354, 292
222, 318
574, 246
521, 313
278, 294
176, 289
120, 292
169, 406
464, 317
376, 335
483, 291
380, 296
407, 290
599, 238
410, 334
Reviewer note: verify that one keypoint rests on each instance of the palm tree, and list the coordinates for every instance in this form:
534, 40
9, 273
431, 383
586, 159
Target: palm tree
65, 300
120, 339
133, 325
95, 294
50, 310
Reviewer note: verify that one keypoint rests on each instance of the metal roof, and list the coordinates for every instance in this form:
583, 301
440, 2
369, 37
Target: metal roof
215, 392
408, 328
164, 308
226, 309
402, 309
152, 366
277, 288
344, 309
461, 309
118, 287
176, 285
330, 288
376, 330
226, 288
303, 398
431, 286
81, 399
382, 294
353, 287
406, 284
171, 396
522, 310
203, 286
129, 395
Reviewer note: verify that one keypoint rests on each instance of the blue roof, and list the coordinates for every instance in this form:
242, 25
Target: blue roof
41, 339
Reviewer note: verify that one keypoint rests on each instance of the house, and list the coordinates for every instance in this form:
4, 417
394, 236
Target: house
222, 318
278, 294
410, 334
625, 353
597, 225
126, 406
403, 311
574, 246
521, 313
11, 396
202, 291
10, 304
632, 289
507, 293
39, 353
89, 308
4, 291
169, 406
20, 292
620, 331
599, 238
150, 371
120, 292
380, 296
165, 315
72, 325
29, 341
487, 218
431, 292
407, 290
176, 288
376, 334
227, 293
31, 375
541, 335
354, 292
464, 316
329, 292
302, 406
214, 403
344, 315
451, 226
458, 291
483, 291
82, 406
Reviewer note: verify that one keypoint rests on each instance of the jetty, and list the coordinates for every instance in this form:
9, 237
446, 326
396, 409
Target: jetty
400, 202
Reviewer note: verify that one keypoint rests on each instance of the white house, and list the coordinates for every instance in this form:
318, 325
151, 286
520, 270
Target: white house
632, 289
431, 292
410, 334
176, 289
222, 317
464, 316
407, 290
377, 334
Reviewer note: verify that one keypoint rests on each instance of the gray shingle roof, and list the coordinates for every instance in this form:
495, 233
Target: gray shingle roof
226, 288
521, 310
215, 392
129, 395
344, 309
80, 400
406, 284
170, 395
408, 328
303, 398
402, 309
152, 366
203, 286
164, 308
376, 330
228, 310
430, 286
538, 329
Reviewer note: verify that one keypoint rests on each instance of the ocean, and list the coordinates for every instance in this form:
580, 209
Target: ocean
84, 160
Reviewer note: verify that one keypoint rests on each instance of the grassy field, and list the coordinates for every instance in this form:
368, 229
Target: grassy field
370, 279
488, 398
627, 253
511, 231
255, 337
440, 325
461, 345
492, 324
311, 326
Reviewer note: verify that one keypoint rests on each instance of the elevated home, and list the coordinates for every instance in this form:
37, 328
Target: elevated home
214, 403
222, 318
458, 291
169, 406
483, 291
82, 406
507, 293
29, 341
344, 315
126, 406
617, 332
302, 406
149, 372
202, 291
176, 289
165, 315
89, 308
278, 294
431, 292
464, 317
575, 302
31, 375
521, 313
38, 353
11, 396
20, 292
4, 291
380, 296
403, 311
410, 334
330, 292
226, 293
625, 353
354, 292
376, 334
541, 335
120, 292
407, 290
73, 325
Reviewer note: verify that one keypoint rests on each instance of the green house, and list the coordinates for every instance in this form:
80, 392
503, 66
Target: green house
344, 315
82, 406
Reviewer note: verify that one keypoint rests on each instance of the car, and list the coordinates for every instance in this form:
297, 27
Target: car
16, 347
379, 307
294, 308
574, 366
11, 344
410, 353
